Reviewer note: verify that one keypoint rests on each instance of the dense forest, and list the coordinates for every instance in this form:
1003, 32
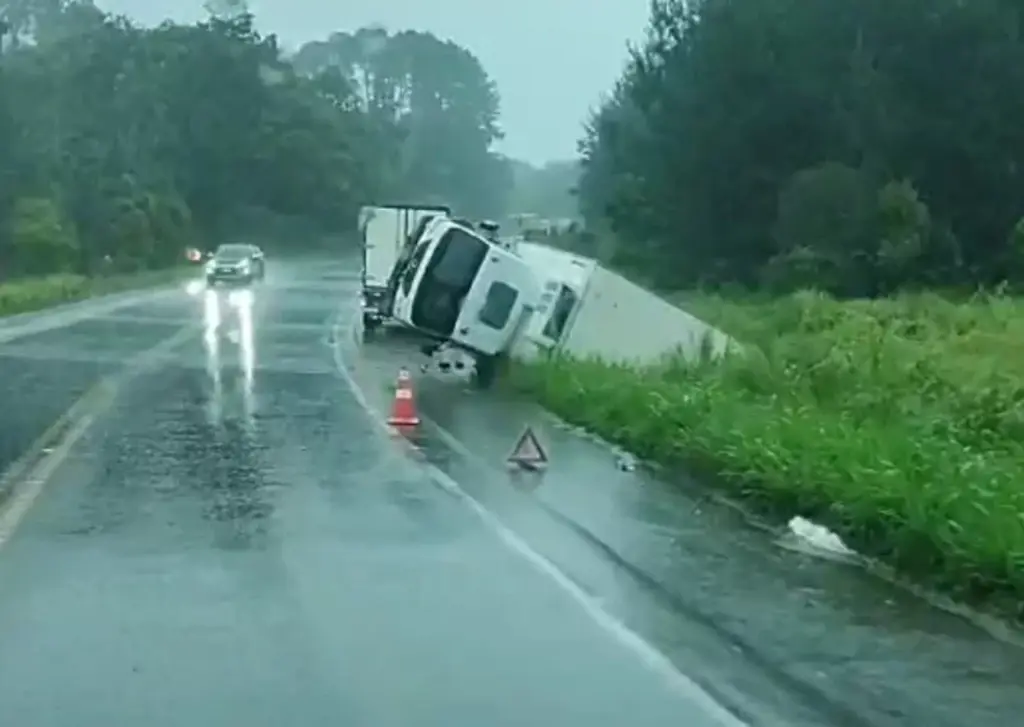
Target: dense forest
122, 145
859, 147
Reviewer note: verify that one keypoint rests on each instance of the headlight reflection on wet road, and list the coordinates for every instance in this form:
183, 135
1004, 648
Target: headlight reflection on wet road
211, 314
242, 301
229, 317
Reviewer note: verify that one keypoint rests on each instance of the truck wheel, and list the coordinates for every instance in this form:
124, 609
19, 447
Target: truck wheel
486, 371
370, 326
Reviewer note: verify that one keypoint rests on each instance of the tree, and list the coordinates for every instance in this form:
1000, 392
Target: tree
226, 9
828, 214
41, 241
133, 143
726, 101
438, 106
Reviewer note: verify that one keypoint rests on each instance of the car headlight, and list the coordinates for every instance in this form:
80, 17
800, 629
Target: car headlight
244, 265
209, 266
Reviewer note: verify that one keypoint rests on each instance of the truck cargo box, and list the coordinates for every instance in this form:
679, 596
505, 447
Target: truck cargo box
587, 310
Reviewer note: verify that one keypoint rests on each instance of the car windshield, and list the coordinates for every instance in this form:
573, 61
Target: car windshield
233, 252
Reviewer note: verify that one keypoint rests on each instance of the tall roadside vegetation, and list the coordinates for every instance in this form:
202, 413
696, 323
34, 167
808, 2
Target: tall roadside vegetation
872, 153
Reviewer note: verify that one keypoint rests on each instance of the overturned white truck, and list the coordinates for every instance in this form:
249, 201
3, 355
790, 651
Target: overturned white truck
456, 287
490, 299
588, 310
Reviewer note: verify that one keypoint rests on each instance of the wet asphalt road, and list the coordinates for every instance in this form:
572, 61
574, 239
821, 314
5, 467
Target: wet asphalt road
234, 542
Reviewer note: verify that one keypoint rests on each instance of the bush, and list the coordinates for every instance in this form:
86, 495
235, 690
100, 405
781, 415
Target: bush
836, 231
42, 241
898, 423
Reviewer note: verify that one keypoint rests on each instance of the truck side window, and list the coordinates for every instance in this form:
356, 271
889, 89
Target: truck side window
555, 326
498, 305
414, 264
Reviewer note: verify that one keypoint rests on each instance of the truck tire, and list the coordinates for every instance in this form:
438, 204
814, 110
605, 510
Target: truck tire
370, 325
486, 371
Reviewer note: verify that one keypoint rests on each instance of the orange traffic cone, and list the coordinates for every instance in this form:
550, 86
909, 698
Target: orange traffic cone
403, 409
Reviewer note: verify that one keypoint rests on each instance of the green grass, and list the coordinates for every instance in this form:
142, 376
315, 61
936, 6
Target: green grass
898, 423
23, 296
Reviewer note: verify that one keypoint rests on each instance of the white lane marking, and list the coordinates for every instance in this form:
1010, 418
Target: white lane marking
27, 495
646, 652
30, 476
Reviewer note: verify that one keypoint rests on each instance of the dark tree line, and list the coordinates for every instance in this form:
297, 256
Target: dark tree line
860, 146
121, 145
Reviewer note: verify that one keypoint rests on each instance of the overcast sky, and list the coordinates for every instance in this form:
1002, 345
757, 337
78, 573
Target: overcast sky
551, 59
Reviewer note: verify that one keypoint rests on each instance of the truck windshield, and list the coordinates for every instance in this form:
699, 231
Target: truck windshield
446, 280
458, 258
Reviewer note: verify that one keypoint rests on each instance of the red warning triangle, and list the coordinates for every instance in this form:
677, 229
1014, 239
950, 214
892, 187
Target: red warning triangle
528, 451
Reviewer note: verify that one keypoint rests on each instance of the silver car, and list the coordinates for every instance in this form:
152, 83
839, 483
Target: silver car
236, 263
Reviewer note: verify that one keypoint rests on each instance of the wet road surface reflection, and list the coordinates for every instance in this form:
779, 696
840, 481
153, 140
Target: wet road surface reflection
228, 323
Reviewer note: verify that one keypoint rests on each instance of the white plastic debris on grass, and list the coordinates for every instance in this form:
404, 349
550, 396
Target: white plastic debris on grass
815, 539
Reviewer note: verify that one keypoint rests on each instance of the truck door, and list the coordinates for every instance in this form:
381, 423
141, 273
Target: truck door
490, 314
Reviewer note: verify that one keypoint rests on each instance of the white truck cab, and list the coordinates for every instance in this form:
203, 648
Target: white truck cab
461, 288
